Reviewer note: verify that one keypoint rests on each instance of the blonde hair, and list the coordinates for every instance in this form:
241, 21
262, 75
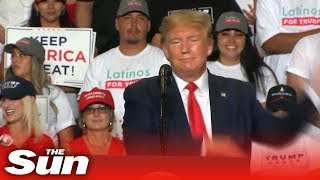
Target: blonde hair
31, 117
38, 77
188, 18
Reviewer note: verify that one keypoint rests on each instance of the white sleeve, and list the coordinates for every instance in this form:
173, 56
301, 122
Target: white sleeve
65, 116
269, 82
268, 20
299, 60
92, 77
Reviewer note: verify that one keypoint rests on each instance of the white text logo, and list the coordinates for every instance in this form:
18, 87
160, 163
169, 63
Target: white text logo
60, 164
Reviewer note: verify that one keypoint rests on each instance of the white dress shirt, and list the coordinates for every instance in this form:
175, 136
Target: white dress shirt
202, 96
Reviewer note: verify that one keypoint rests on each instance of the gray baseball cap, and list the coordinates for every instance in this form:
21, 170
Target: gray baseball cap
232, 20
127, 6
27, 46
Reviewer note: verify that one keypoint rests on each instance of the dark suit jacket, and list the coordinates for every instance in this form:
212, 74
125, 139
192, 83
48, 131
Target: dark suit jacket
234, 111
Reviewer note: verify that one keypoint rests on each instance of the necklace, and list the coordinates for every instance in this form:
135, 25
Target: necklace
101, 148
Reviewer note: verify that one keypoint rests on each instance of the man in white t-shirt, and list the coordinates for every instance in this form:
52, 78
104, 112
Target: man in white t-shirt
131, 61
304, 71
280, 25
304, 58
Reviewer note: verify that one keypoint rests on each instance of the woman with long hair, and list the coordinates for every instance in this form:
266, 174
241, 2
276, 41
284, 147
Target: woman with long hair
27, 57
50, 13
22, 124
235, 57
54, 14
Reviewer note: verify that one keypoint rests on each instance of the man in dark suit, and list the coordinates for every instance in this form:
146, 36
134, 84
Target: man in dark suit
231, 117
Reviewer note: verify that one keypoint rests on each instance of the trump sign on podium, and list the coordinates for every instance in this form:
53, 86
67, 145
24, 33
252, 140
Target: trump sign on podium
68, 51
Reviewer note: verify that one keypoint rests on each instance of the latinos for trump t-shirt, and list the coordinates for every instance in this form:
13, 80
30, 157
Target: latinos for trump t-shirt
115, 71
284, 16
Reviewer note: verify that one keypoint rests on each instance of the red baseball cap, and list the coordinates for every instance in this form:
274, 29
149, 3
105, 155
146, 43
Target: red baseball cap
95, 96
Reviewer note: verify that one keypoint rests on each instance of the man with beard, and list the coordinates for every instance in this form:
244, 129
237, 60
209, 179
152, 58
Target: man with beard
131, 61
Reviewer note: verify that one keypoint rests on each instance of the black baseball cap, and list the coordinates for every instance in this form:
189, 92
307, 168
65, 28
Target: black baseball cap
16, 88
281, 97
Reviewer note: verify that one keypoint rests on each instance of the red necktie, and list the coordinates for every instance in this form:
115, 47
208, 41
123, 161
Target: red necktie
195, 116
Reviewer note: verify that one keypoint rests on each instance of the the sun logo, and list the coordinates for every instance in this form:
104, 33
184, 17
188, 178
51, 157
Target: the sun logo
60, 164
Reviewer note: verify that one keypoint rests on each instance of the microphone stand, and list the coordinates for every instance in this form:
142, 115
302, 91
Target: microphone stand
162, 125
165, 80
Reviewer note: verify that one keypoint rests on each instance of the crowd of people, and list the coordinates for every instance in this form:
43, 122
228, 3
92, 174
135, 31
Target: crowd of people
244, 81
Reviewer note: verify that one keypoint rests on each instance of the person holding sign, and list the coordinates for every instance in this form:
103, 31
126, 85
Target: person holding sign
54, 14
50, 13
22, 128
27, 57
96, 120
132, 60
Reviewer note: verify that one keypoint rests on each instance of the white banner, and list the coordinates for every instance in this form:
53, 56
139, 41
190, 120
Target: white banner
68, 51
43, 104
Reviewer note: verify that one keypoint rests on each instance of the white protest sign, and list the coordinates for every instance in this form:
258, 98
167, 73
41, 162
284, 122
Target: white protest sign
68, 51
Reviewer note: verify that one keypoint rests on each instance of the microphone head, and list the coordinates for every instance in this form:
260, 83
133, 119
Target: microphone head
164, 75
165, 69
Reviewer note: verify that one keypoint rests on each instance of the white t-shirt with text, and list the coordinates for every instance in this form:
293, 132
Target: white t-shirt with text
284, 16
115, 71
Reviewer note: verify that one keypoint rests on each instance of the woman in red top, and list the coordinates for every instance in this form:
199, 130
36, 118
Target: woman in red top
96, 119
22, 128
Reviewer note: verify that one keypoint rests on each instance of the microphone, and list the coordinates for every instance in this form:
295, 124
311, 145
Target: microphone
164, 75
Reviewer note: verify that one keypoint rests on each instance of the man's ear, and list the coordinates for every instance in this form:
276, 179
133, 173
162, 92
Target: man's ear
116, 24
165, 50
149, 25
210, 46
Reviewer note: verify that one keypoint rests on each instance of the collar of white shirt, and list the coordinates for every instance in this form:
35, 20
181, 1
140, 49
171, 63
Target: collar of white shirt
202, 83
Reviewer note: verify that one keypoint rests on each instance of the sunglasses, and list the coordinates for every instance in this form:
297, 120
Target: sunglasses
102, 109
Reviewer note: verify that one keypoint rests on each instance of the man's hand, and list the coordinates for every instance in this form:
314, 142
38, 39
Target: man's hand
223, 146
250, 14
280, 114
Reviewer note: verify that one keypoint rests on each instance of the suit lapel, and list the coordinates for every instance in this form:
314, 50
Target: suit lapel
175, 109
178, 129
219, 102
